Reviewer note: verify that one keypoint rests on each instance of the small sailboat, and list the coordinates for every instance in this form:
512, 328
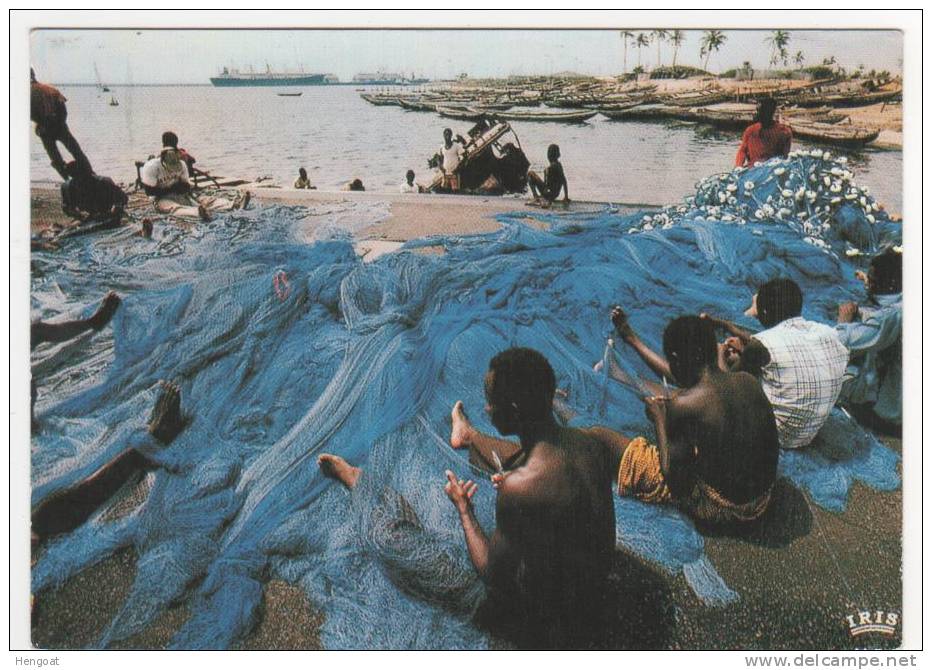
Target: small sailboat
113, 102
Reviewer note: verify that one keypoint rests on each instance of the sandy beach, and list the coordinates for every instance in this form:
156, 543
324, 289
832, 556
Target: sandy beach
798, 576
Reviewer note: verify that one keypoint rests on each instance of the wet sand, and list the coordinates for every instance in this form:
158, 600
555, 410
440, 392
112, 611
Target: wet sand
797, 579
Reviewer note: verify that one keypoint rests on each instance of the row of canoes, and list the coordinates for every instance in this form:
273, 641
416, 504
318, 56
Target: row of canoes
817, 123
823, 125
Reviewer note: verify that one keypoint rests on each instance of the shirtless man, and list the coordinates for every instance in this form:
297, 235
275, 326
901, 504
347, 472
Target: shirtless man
546, 563
717, 443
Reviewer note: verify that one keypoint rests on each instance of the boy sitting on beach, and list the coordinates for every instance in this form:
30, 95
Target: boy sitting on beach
409, 185
302, 181
548, 189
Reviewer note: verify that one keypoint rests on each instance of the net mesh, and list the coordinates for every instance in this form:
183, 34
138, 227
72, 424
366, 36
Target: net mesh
285, 350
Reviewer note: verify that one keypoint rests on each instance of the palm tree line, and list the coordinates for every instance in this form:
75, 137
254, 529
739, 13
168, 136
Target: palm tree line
711, 42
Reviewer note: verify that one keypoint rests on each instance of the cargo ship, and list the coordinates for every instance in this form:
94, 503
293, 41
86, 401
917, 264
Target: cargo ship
233, 77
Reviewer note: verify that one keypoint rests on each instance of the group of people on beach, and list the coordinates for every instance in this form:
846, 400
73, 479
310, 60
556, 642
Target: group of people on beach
166, 177
720, 412
718, 433
718, 429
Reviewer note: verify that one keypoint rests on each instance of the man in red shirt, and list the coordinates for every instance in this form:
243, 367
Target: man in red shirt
765, 138
48, 111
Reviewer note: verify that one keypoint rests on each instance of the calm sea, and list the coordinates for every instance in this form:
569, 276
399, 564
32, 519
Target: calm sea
252, 132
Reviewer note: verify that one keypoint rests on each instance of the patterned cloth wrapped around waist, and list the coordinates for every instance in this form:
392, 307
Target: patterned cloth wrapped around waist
640, 476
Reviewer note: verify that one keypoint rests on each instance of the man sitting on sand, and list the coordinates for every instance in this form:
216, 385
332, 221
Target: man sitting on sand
165, 178
86, 196
48, 111
65, 510
548, 189
800, 363
355, 185
765, 138
409, 185
547, 561
873, 334
717, 444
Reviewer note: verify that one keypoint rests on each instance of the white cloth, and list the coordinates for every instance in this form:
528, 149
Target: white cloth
408, 188
155, 175
803, 378
185, 205
452, 156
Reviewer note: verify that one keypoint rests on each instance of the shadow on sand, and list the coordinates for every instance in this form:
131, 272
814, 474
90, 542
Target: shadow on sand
634, 611
788, 518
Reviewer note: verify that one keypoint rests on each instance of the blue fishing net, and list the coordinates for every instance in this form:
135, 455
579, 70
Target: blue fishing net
285, 350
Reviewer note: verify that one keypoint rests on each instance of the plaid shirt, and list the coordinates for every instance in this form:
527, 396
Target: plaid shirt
803, 378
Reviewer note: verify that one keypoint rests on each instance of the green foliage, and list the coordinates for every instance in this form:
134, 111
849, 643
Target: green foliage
677, 72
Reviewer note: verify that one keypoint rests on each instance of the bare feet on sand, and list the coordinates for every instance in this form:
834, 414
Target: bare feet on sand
462, 433
105, 312
337, 468
166, 421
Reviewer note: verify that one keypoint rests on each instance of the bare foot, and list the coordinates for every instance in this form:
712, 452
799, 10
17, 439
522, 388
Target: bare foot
203, 213
337, 468
462, 433
166, 421
106, 310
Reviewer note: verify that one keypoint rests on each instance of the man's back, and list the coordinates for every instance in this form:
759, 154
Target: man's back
732, 430
759, 144
556, 524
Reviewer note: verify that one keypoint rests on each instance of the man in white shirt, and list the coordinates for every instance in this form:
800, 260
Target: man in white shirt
800, 363
408, 185
166, 179
452, 153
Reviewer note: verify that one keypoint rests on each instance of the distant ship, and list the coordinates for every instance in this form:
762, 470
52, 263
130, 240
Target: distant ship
232, 77
387, 79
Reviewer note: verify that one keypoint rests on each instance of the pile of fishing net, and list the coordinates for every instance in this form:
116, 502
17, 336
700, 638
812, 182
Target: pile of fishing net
285, 350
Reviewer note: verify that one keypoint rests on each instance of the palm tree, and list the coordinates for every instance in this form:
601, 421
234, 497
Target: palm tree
677, 37
778, 40
642, 41
659, 36
625, 36
799, 59
712, 40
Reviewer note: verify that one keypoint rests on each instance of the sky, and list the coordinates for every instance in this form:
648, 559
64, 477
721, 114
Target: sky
151, 56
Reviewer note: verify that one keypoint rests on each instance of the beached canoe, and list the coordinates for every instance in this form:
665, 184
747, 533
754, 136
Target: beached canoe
379, 100
461, 114
847, 99
557, 117
836, 134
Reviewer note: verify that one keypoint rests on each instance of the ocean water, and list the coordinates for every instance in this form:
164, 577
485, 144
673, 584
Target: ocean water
251, 132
